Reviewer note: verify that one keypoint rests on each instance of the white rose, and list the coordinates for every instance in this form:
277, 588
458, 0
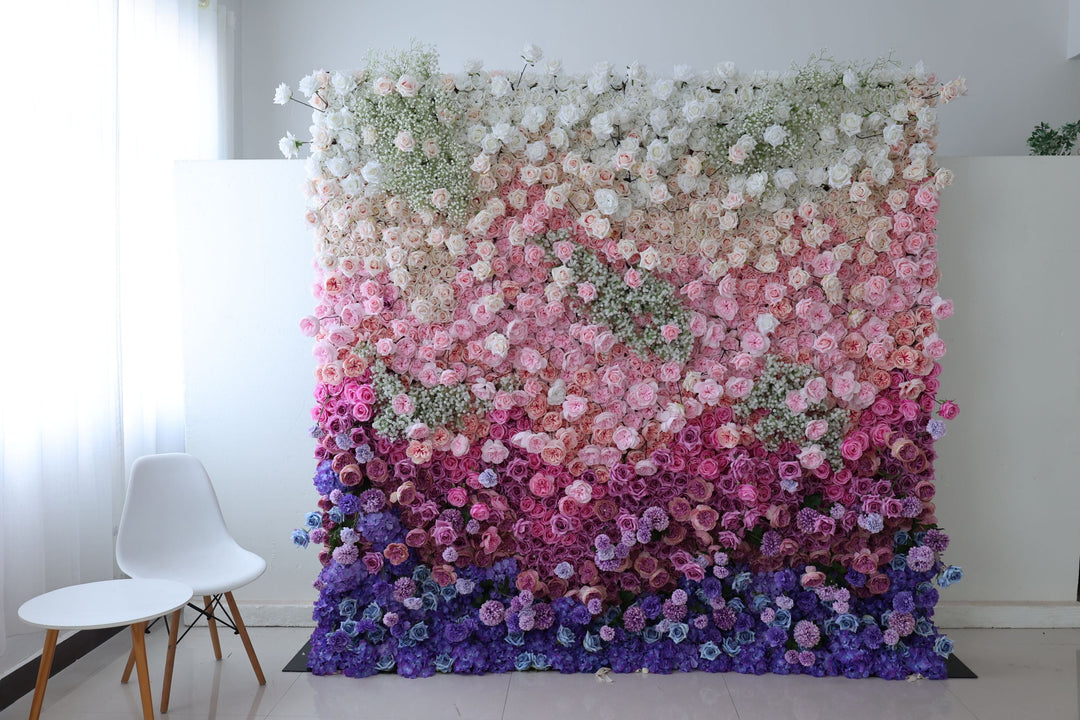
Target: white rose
766, 323
601, 125
816, 176
768, 263
635, 72
726, 70
650, 258
491, 144
473, 65
607, 201
569, 115
658, 118
882, 172
308, 85
663, 88
678, 135
558, 138
339, 167
456, 245
557, 392
828, 135
693, 110
497, 344
353, 184
405, 142
369, 135
775, 135
500, 86
481, 270
657, 152
282, 95
536, 151
683, 73
839, 174
407, 86
533, 118
372, 172
785, 178
850, 124
851, 80
562, 275
755, 184
288, 146
531, 54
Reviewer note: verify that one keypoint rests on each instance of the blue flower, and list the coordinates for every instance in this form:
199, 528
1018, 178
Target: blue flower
444, 663
300, 538
848, 622
336, 515
449, 592
373, 612
760, 602
678, 632
901, 537
347, 607
523, 661
782, 619
385, 663
515, 638
709, 650
732, 646
943, 646
899, 562
421, 573
950, 575
565, 636
745, 637
419, 632
591, 643
541, 662
377, 635
430, 600
313, 520
924, 627
650, 634
741, 581
488, 478
736, 605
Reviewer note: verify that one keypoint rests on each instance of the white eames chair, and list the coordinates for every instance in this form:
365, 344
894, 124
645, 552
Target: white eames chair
172, 528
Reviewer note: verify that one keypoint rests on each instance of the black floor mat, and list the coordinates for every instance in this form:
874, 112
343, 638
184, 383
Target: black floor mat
955, 667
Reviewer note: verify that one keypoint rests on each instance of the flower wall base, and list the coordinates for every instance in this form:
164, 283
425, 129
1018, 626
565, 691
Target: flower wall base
623, 371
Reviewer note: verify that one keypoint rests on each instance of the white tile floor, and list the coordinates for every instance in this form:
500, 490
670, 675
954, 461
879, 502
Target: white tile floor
1024, 675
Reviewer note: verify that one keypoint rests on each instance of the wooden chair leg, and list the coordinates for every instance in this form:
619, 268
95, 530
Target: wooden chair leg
129, 667
209, 602
44, 668
138, 642
170, 656
244, 637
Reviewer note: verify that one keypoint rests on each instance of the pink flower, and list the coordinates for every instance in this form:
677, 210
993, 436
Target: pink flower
494, 452
739, 387
579, 491
574, 406
459, 446
816, 389
541, 485
641, 395
457, 497
949, 410
632, 278
670, 332
815, 429
851, 449
811, 457
404, 141
407, 86
625, 438
796, 401
309, 326
402, 404
727, 436
480, 511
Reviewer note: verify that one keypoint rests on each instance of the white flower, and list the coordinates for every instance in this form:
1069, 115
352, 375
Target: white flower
658, 118
343, 83
851, 80
607, 201
562, 276
533, 118
657, 152
775, 135
536, 151
601, 126
785, 178
473, 65
816, 176
893, 133
766, 323
828, 135
755, 184
663, 88
500, 86
850, 124
372, 172
289, 146
531, 54
650, 258
726, 70
282, 95
308, 85
497, 344
839, 175
683, 73
569, 115
635, 72
558, 138
339, 167
352, 185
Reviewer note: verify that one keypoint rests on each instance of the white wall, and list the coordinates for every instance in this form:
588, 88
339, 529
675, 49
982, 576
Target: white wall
1012, 53
246, 276
1008, 478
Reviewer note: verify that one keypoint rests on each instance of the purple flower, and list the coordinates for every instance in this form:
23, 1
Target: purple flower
936, 428
807, 634
564, 570
492, 613
634, 619
920, 558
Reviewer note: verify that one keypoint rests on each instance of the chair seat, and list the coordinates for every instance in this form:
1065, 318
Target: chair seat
225, 570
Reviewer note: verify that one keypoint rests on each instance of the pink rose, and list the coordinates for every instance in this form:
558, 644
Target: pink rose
812, 577
494, 452
625, 438
748, 494
442, 535
396, 553
949, 410
407, 86
632, 278
796, 401
309, 326
739, 387
851, 449
490, 540
811, 457
670, 332
459, 446
383, 86
641, 395
727, 436
574, 406
816, 389
457, 497
878, 584
480, 512
372, 562
404, 141
542, 485
815, 429
579, 491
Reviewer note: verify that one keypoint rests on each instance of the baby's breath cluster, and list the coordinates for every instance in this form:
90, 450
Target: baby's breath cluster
780, 418
438, 406
639, 314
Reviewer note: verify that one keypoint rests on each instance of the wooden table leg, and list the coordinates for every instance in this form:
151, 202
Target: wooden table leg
138, 641
44, 668
166, 684
244, 637
129, 667
209, 603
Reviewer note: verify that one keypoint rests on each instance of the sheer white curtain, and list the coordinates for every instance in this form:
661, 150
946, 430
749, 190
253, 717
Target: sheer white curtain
107, 95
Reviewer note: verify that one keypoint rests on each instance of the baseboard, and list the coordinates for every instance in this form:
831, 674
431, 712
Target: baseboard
1008, 614
948, 615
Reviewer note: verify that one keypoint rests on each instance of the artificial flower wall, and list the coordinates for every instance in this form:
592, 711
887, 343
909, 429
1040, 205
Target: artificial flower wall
623, 370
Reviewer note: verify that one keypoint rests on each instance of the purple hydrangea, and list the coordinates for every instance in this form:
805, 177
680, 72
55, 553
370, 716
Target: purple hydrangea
807, 634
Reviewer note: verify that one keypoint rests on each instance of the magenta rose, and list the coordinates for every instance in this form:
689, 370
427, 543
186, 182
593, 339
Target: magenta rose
949, 410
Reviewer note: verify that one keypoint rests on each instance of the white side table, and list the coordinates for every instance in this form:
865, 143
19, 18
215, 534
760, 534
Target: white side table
101, 605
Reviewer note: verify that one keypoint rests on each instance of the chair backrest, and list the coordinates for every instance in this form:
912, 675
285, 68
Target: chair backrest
170, 510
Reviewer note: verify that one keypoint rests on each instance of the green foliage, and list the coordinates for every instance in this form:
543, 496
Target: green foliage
1044, 140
